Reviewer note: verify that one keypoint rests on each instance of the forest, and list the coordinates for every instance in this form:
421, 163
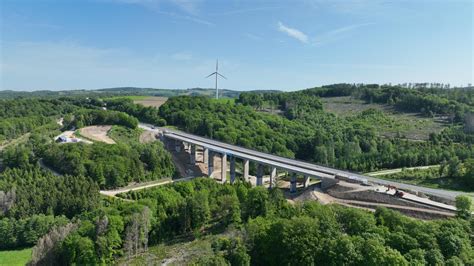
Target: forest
266, 230
111, 165
62, 216
311, 134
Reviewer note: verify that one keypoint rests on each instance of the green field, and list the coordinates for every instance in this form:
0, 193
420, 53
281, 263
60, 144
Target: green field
131, 97
15, 257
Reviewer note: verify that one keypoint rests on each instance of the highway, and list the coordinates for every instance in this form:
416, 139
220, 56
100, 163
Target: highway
292, 164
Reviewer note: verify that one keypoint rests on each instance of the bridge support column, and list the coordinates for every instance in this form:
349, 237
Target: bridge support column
273, 174
293, 183
246, 170
232, 170
192, 155
306, 181
223, 168
210, 164
188, 146
205, 155
177, 145
260, 175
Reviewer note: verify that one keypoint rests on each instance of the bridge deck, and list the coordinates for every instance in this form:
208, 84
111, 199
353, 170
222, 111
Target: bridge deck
293, 165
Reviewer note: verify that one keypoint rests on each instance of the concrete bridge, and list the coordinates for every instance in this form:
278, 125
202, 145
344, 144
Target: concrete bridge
228, 152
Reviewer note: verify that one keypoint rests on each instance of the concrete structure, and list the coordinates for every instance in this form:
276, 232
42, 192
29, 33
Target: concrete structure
192, 155
273, 176
293, 166
224, 167
210, 164
232, 169
246, 165
259, 175
205, 155
293, 183
306, 181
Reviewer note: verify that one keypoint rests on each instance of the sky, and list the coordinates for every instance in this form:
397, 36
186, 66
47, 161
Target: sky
271, 44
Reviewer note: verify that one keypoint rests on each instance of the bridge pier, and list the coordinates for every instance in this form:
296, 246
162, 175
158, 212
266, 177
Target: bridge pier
246, 170
273, 175
223, 168
205, 155
232, 169
192, 154
210, 164
185, 146
306, 181
293, 183
177, 145
260, 175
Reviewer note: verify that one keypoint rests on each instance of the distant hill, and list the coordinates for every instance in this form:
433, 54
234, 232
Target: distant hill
105, 92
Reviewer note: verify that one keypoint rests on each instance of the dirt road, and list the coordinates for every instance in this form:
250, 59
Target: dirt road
140, 186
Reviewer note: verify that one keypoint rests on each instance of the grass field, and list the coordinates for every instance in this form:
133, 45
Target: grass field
15, 257
122, 134
131, 97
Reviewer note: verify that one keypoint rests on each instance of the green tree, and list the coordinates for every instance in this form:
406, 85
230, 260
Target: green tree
257, 202
78, 250
464, 206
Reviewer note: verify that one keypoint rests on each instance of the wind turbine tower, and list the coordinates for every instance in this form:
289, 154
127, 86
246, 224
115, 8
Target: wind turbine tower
217, 74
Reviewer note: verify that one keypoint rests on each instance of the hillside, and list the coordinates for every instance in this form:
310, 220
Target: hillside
120, 91
203, 222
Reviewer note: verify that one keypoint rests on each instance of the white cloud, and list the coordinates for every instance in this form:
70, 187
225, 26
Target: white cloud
294, 33
336, 34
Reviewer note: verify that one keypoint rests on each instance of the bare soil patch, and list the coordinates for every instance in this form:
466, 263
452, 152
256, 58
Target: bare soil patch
97, 133
152, 101
147, 137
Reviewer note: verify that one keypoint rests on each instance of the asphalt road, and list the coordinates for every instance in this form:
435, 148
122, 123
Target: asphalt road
296, 165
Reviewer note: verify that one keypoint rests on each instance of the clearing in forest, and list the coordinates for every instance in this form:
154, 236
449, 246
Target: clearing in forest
151, 101
15, 257
147, 136
97, 133
411, 126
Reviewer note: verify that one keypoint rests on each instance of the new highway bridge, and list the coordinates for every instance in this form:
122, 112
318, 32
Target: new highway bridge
308, 170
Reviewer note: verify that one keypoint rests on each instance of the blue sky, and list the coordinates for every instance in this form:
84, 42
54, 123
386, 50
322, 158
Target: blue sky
285, 45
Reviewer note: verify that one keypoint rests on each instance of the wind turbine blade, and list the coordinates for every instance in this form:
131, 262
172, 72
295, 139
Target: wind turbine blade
221, 75
211, 74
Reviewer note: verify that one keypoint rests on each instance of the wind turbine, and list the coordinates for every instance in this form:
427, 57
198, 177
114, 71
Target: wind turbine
217, 74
